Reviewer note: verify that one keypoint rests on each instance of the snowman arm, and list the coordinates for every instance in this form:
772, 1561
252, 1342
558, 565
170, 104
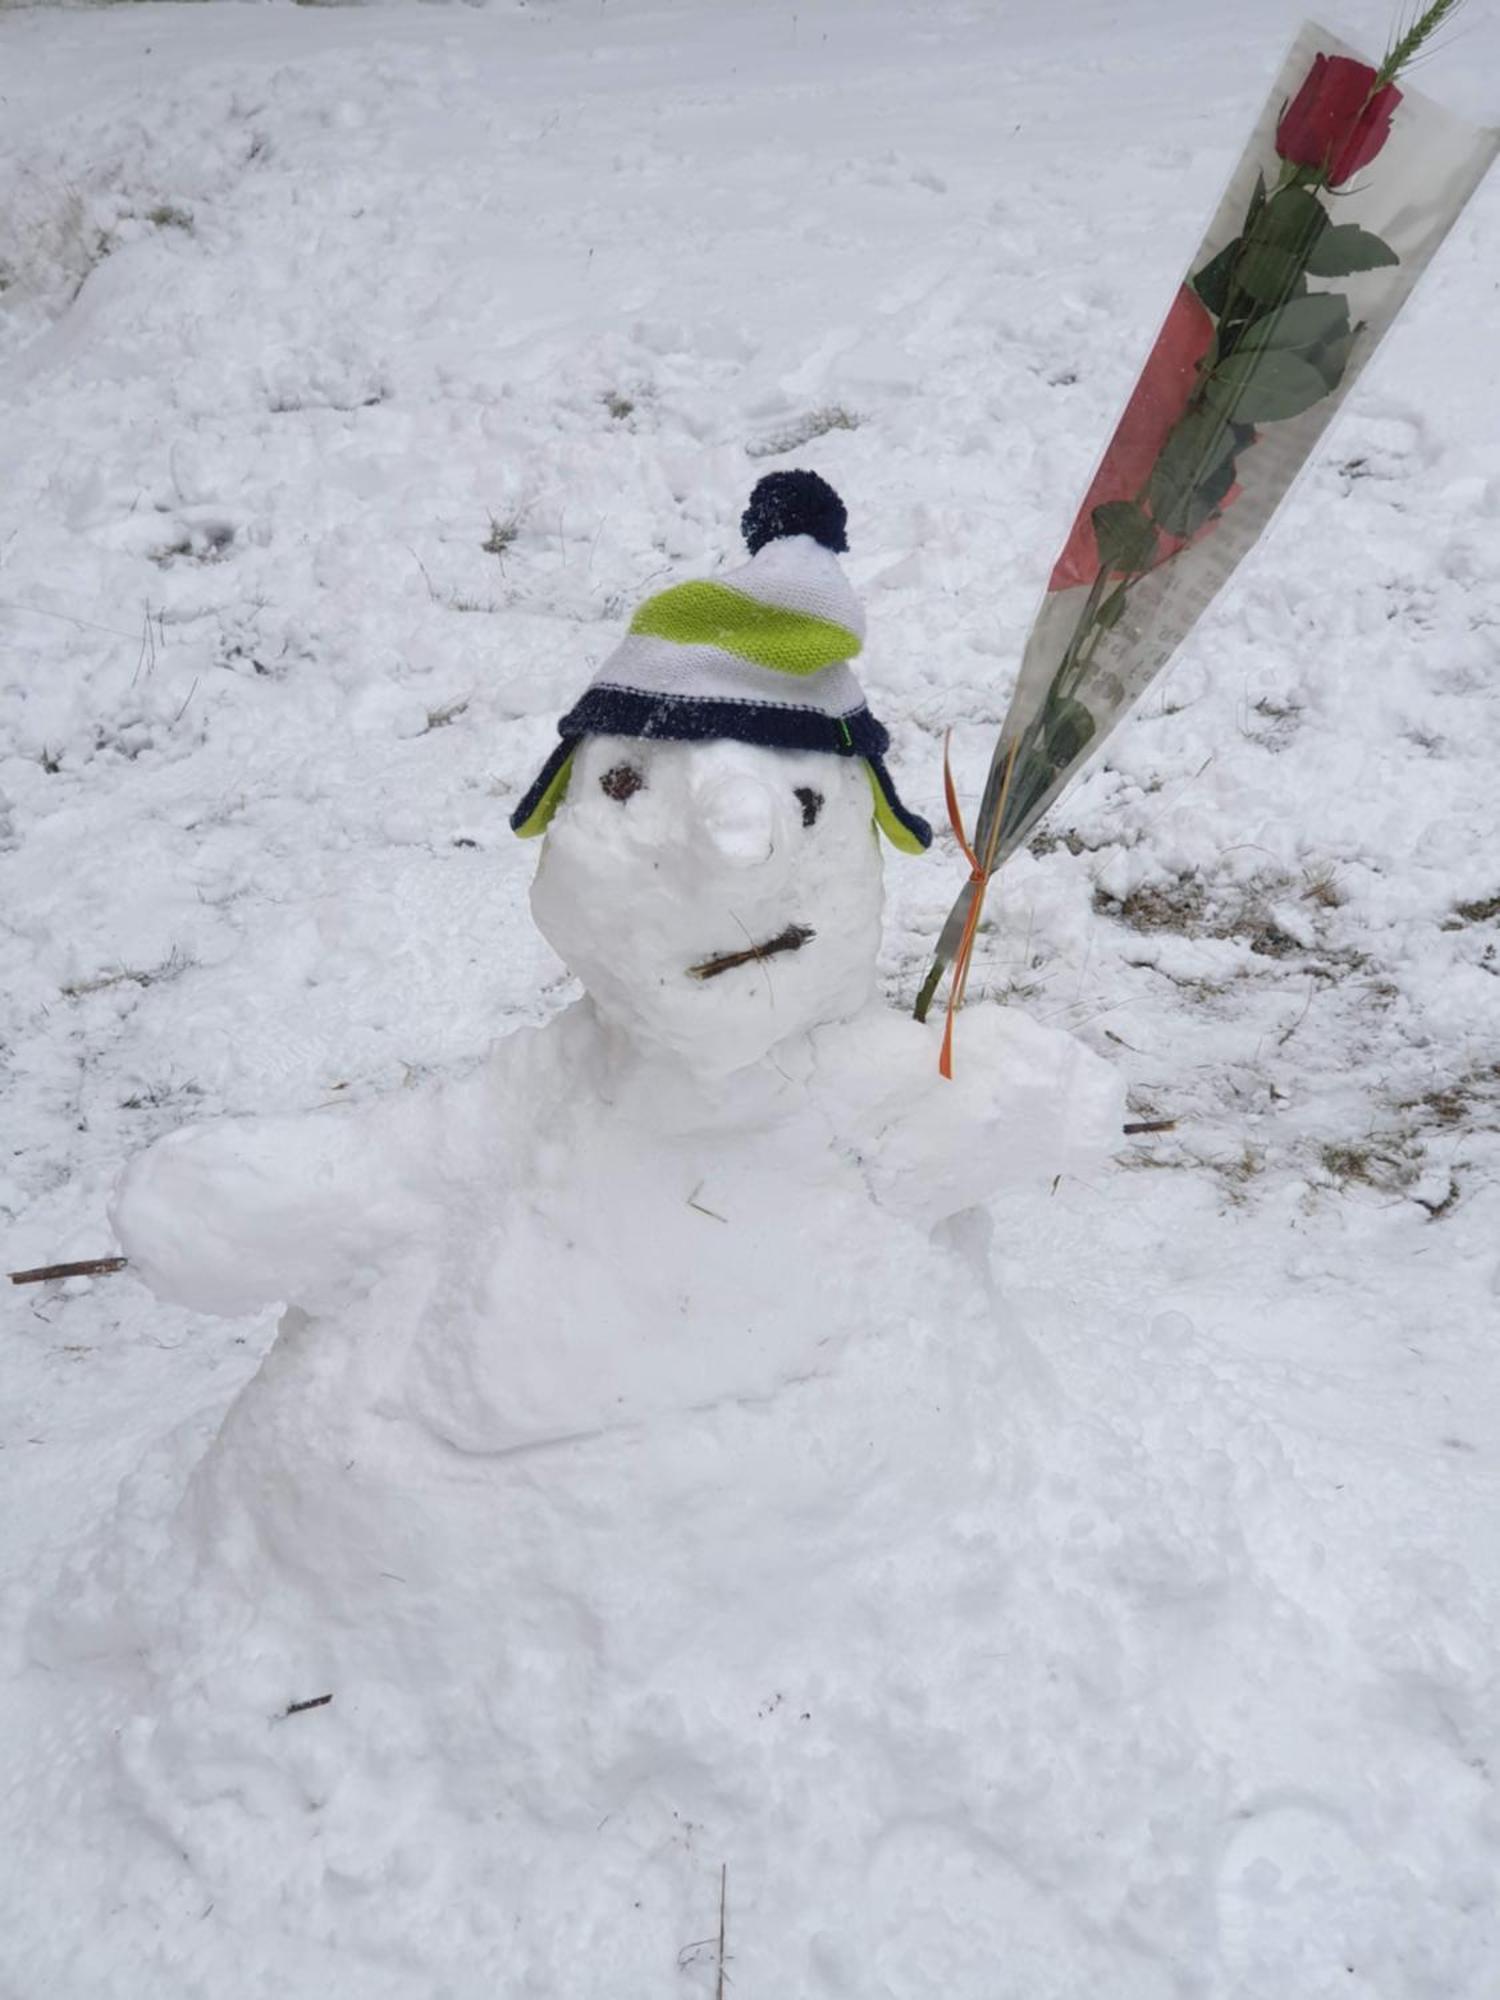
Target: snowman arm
1028, 1103
234, 1215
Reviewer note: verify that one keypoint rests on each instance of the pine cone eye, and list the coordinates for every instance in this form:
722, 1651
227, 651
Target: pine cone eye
621, 782
811, 803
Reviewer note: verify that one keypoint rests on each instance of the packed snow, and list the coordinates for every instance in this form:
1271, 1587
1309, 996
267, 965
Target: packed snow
1072, 1565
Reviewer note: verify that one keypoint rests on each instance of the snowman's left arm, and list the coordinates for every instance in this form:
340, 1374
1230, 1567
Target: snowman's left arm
1028, 1103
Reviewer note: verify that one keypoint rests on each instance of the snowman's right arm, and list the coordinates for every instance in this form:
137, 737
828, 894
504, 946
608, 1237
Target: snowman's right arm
237, 1214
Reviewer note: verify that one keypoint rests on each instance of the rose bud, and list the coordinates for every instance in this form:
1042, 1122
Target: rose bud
1337, 120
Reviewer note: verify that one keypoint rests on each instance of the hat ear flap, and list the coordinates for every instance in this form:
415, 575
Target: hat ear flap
534, 814
903, 829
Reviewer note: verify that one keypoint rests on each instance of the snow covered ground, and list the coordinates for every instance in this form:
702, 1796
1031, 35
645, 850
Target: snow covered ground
361, 367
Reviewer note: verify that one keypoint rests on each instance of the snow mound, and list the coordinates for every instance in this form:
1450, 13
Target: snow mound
616, 1405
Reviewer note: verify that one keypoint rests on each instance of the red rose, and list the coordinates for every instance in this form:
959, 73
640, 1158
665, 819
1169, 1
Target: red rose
1338, 119
1159, 398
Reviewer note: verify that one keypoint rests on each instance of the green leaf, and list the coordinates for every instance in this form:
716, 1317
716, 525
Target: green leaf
1197, 447
1069, 728
1126, 538
1029, 785
1299, 325
1291, 220
1212, 282
1345, 247
1332, 358
1197, 504
1257, 202
1205, 500
1269, 274
1278, 246
1260, 388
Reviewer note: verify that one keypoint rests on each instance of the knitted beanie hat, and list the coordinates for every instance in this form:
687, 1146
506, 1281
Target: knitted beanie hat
760, 656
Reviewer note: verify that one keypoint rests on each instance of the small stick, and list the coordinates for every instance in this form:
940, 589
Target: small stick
91, 1267
301, 1707
1150, 1125
791, 939
723, 1898
693, 1202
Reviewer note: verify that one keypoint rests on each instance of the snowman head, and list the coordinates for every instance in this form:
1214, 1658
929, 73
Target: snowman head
711, 871
714, 898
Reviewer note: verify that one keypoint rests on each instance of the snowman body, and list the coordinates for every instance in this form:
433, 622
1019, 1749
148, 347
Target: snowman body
619, 1385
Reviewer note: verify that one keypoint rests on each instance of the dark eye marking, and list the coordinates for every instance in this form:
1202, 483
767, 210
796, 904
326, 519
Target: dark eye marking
622, 782
810, 801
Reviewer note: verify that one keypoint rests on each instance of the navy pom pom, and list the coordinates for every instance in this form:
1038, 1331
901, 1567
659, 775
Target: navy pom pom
794, 503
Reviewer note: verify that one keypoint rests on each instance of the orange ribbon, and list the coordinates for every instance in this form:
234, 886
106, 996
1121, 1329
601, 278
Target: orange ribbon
979, 875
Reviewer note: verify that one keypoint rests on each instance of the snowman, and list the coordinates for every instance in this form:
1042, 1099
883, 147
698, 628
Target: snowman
584, 1354
711, 872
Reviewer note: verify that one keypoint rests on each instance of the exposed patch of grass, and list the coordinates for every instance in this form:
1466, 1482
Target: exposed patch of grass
1469, 1103
130, 738
1201, 990
1324, 887
1447, 1107
505, 532
290, 404
1388, 1164
439, 718
1278, 723
157, 1096
1172, 906
1146, 1159
802, 430
1184, 905
206, 542
1481, 912
172, 967
232, 653
1269, 941
167, 215
1048, 839
1237, 1173
619, 406
1444, 1205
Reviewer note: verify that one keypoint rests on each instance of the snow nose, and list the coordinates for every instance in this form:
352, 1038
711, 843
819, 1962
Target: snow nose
737, 817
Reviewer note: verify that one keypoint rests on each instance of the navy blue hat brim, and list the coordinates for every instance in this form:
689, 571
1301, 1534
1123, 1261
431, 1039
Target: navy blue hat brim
607, 711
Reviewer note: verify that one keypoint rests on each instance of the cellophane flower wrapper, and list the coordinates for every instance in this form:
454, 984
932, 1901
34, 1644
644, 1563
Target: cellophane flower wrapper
1063, 708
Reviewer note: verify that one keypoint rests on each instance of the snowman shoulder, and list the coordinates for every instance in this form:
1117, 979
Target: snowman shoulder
1027, 1103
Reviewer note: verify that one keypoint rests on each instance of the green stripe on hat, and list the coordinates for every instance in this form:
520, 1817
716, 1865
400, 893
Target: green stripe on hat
711, 614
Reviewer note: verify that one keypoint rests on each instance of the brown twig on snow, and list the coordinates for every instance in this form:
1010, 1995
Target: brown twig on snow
1140, 1125
301, 1707
91, 1267
791, 939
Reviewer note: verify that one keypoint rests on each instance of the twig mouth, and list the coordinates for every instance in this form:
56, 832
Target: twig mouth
791, 939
